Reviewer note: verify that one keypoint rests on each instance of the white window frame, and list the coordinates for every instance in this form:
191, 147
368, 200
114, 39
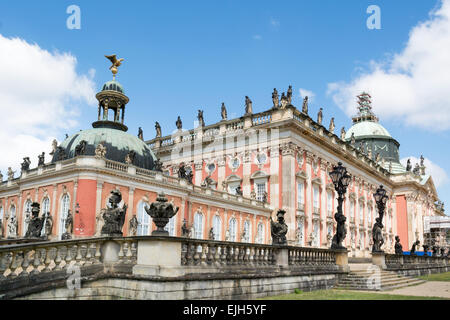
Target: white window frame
64, 211
232, 226
301, 227
300, 193
145, 221
361, 212
316, 196
26, 205
198, 225
248, 228
217, 228
260, 233
170, 227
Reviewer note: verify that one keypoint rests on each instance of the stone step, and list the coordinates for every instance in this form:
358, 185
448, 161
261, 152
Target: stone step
387, 276
383, 286
382, 281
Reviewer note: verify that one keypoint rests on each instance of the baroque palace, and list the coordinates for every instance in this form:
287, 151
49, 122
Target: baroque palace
227, 178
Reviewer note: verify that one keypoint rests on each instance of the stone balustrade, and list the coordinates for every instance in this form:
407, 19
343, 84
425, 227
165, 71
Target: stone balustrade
416, 265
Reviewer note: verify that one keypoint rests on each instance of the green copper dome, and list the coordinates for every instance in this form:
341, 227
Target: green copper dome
113, 86
117, 142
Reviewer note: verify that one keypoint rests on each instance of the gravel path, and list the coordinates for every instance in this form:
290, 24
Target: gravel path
427, 289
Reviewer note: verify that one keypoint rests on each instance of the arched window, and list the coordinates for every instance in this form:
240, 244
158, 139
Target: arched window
170, 227
217, 228
65, 205
260, 234
45, 207
26, 216
198, 225
361, 213
232, 229
145, 221
247, 231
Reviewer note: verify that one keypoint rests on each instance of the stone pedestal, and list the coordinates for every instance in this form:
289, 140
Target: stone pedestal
110, 251
378, 259
342, 260
282, 257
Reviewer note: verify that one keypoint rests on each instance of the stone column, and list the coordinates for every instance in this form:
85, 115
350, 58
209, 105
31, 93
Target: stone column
308, 199
246, 172
275, 172
288, 186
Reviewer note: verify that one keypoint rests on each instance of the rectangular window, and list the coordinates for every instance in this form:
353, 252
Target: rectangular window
316, 196
301, 194
260, 189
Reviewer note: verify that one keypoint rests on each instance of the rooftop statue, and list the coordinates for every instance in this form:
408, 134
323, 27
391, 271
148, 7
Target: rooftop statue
158, 129
408, 165
80, 149
279, 228
129, 158
305, 105
422, 159
223, 111
141, 134
320, 116
343, 133
239, 191
114, 216
10, 173
416, 169
54, 146
201, 120
284, 101
25, 165
248, 105
158, 165
369, 153
1, 177
352, 139
115, 64
100, 150
48, 225
60, 154
289, 94
332, 126
179, 123
41, 159
275, 98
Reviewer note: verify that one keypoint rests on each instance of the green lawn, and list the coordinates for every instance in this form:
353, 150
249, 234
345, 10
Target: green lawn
437, 277
333, 294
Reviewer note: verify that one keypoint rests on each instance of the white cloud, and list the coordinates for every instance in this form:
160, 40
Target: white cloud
413, 85
438, 174
257, 37
40, 95
306, 93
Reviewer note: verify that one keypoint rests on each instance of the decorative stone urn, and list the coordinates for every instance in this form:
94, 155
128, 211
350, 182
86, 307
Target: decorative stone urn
161, 211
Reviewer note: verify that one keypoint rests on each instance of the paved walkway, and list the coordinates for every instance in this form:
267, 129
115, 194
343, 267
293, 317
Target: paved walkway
427, 289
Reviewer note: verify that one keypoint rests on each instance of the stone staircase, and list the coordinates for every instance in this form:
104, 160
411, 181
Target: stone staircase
364, 276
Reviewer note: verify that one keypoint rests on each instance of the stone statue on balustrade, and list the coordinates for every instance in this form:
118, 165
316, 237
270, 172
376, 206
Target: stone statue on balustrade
25, 165
435, 250
416, 169
425, 249
320, 116
68, 225
36, 223
179, 123
201, 120
265, 197
408, 165
129, 158
141, 134
1, 177
223, 112
48, 225
158, 165
158, 130
331, 126
398, 246
114, 216
284, 101
54, 147
133, 226
211, 233
413, 248
41, 159
442, 252
305, 105
80, 149
208, 183
100, 150
12, 227
377, 236
289, 95
184, 229
239, 191
343, 133
275, 98
279, 228
61, 154
253, 195
248, 105
352, 140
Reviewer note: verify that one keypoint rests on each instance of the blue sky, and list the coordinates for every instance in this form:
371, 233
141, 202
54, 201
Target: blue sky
185, 55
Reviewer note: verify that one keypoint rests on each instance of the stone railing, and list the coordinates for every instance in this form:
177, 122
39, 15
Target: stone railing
311, 256
262, 118
116, 166
394, 261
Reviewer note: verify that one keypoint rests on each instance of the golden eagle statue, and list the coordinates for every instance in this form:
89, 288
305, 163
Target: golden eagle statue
115, 64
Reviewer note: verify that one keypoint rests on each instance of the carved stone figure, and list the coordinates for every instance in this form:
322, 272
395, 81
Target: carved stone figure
184, 229
398, 246
223, 111
133, 225
275, 98
41, 159
1, 177
201, 120
208, 182
416, 169
12, 227
100, 150
284, 101
68, 226
408, 165
25, 165
179, 123
331, 126
99, 222
227, 235
265, 197
305, 105
10, 174
129, 158
425, 249
141, 134
341, 231
377, 157
158, 165
435, 250
253, 195
320, 116
161, 211
60, 154
211, 233
36, 223
413, 248
239, 191
343, 133
422, 159
352, 139
279, 229
48, 225
289, 95
114, 217
377, 236
54, 147
80, 149
248, 105
158, 129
